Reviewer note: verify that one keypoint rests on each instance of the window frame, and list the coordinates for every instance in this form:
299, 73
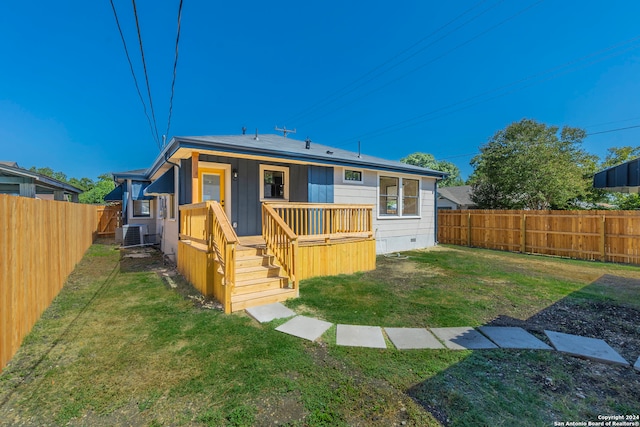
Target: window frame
400, 196
351, 181
286, 185
133, 209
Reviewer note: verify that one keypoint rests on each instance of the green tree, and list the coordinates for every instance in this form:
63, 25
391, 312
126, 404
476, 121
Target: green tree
99, 189
425, 160
529, 165
616, 156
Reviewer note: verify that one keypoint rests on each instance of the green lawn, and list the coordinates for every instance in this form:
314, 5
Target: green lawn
121, 347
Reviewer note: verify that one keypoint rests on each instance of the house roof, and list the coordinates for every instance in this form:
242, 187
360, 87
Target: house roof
43, 182
460, 195
274, 147
623, 178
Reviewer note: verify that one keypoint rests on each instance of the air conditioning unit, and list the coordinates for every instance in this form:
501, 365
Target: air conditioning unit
133, 234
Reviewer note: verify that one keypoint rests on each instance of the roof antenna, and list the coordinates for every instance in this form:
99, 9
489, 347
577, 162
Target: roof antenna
359, 156
284, 130
256, 137
244, 130
164, 140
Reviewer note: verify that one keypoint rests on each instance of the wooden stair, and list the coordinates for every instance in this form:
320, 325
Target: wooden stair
259, 280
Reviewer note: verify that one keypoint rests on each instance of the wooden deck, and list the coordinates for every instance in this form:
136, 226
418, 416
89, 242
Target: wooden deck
246, 271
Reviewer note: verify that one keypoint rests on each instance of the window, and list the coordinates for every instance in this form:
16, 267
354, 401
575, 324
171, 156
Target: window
352, 176
398, 197
171, 207
141, 208
275, 183
388, 195
410, 196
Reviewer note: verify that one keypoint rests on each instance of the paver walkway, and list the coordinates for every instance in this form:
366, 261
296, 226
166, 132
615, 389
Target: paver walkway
459, 338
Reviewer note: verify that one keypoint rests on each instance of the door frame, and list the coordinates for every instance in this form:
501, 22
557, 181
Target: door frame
212, 168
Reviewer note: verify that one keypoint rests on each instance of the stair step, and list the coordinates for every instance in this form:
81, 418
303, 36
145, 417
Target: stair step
253, 261
245, 251
242, 301
261, 284
256, 272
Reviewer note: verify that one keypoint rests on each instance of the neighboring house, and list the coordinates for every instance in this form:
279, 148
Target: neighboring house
277, 210
624, 178
22, 182
455, 197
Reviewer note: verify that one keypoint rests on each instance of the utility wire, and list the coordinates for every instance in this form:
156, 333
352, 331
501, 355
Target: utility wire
558, 72
466, 42
133, 74
146, 75
613, 130
175, 66
340, 92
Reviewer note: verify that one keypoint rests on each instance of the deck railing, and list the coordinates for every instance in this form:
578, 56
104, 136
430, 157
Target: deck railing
207, 224
323, 220
193, 223
281, 241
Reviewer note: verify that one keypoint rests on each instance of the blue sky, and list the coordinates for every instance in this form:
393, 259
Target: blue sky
450, 75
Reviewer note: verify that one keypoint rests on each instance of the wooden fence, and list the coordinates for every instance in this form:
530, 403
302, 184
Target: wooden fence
109, 218
612, 236
41, 241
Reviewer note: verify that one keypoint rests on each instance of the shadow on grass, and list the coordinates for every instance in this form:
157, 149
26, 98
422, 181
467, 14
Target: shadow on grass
533, 387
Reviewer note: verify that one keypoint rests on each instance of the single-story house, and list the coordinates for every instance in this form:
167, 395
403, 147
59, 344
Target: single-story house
624, 178
455, 197
254, 185
22, 182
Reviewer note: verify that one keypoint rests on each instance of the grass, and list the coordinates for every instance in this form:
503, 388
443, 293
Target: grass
118, 346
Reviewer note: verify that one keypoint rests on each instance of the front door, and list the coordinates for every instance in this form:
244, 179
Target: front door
212, 185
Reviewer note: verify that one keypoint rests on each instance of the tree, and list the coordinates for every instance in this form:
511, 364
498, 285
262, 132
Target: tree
529, 165
99, 189
616, 156
425, 160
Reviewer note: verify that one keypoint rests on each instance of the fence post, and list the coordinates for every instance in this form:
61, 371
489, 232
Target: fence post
469, 229
603, 253
523, 233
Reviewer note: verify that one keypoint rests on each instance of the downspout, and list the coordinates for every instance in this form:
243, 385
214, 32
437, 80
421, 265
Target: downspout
435, 213
175, 258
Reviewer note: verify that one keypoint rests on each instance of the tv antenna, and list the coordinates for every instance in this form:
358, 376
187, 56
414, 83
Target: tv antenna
285, 131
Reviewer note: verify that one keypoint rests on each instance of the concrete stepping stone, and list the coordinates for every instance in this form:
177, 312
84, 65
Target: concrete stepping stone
305, 327
463, 338
637, 365
412, 338
269, 312
360, 336
590, 348
513, 337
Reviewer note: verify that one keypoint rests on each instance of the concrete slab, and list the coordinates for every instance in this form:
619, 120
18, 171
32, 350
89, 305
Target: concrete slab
590, 348
412, 338
360, 336
269, 312
305, 327
637, 365
463, 338
513, 337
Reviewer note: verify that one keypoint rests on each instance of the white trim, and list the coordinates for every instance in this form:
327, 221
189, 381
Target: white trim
400, 196
350, 181
286, 184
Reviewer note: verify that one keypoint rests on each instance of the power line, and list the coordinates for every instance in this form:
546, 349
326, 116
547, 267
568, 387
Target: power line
146, 75
423, 117
175, 66
613, 130
133, 74
402, 76
339, 93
